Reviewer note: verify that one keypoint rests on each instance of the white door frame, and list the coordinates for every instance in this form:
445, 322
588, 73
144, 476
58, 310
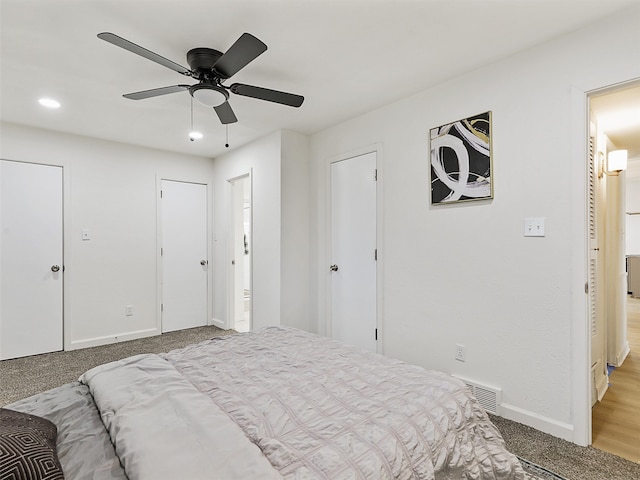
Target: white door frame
324, 267
66, 243
184, 179
580, 318
230, 317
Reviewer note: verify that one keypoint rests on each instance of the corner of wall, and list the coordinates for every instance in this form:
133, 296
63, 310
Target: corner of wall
294, 246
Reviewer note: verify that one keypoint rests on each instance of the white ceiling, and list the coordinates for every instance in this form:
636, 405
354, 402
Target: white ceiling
346, 57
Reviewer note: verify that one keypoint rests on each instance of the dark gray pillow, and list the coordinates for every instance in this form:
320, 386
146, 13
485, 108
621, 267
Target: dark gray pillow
28, 447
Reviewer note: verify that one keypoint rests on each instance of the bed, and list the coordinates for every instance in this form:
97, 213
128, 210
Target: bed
277, 403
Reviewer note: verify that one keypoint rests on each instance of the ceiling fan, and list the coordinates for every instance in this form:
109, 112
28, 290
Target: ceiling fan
210, 67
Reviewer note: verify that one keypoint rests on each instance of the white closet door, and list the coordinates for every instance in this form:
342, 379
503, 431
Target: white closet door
353, 251
31, 264
184, 255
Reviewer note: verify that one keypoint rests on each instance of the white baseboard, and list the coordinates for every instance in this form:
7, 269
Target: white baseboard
622, 355
602, 386
539, 422
216, 322
107, 339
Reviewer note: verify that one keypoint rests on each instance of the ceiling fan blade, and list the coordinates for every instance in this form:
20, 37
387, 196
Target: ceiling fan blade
143, 52
246, 49
155, 92
225, 113
267, 94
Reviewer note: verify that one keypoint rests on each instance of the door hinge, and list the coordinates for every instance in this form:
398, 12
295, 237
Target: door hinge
160, 193
375, 175
161, 251
162, 307
586, 287
375, 254
376, 334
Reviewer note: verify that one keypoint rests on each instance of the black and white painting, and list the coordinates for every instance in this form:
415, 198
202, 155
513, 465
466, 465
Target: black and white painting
461, 160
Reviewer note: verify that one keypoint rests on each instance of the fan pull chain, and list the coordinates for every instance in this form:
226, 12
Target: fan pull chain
227, 128
193, 135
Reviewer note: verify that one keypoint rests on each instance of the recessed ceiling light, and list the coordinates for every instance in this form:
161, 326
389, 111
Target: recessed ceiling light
49, 103
195, 135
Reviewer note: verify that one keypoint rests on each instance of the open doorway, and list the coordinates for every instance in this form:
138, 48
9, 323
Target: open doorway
614, 239
240, 251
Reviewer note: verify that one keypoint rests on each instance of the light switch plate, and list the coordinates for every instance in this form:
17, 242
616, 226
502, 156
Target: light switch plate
534, 227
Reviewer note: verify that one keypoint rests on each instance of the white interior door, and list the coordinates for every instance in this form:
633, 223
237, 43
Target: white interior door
353, 251
184, 255
30, 259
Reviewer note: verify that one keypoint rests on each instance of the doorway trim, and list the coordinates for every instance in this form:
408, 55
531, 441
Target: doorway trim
588, 94
184, 179
324, 267
229, 322
581, 337
580, 318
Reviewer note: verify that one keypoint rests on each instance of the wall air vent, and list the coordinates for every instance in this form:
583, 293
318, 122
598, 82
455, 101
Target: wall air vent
489, 397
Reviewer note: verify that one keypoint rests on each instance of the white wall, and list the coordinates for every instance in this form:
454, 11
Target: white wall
465, 273
278, 164
262, 159
110, 189
295, 232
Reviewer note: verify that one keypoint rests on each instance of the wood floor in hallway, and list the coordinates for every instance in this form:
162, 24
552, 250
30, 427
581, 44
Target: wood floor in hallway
616, 419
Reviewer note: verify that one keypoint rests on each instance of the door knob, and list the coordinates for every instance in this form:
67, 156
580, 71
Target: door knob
55, 268
203, 262
334, 268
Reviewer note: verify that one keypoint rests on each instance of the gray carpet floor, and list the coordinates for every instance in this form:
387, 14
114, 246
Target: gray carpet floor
23, 377
562, 457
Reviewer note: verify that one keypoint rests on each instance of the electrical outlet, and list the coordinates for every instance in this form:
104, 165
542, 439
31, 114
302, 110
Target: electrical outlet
128, 310
460, 353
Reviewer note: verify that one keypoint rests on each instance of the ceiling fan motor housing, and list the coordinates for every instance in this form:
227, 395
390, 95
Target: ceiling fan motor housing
202, 59
209, 92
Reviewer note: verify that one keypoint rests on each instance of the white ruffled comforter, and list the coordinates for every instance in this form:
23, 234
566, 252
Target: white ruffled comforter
314, 408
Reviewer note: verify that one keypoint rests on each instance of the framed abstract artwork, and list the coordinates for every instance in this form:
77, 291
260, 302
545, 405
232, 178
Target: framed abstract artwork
461, 162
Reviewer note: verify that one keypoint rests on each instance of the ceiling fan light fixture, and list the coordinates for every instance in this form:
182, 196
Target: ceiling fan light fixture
209, 95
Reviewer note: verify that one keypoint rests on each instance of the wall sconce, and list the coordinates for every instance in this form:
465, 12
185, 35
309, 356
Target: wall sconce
615, 163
